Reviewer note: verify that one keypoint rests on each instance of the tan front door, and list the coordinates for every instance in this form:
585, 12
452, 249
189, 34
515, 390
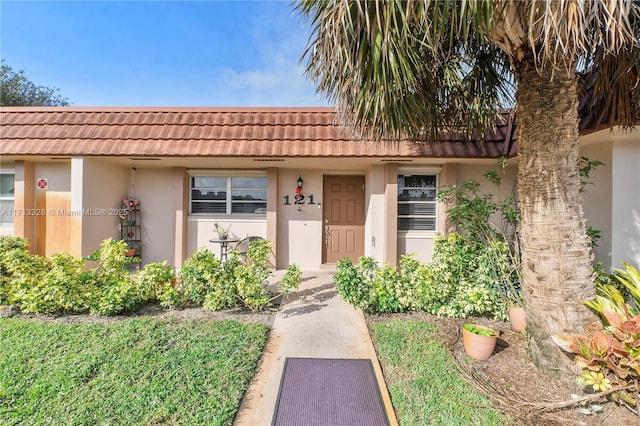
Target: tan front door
53, 222
343, 218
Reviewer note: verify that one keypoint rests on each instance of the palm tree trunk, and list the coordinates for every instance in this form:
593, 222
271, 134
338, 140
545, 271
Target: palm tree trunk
556, 256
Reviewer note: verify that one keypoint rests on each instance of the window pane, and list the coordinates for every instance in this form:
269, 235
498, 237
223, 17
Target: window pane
208, 207
209, 182
417, 181
249, 195
248, 182
6, 212
257, 208
416, 194
208, 194
416, 224
421, 209
416, 198
6, 185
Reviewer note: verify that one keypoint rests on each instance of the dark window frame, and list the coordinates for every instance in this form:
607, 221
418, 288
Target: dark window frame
229, 189
414, 220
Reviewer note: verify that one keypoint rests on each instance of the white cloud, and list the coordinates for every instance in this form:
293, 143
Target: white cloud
276, 79
279, 83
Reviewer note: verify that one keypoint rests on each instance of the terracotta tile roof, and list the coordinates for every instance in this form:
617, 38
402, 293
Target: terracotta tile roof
232, 132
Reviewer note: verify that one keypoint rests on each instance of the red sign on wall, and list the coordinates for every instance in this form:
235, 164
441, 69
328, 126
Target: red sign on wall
42, 183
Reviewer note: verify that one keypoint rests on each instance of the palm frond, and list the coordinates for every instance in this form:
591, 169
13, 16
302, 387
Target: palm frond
400, 69
406, 69
562, 32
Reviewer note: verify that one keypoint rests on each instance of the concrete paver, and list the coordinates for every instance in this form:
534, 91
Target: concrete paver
313, 322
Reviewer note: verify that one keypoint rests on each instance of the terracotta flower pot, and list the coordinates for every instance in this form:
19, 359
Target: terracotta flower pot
477, 346
517, 318
131, 252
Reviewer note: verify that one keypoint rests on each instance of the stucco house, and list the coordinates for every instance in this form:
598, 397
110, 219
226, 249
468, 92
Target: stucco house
286, 174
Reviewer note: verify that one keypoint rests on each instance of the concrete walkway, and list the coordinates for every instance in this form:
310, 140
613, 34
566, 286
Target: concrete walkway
312, 323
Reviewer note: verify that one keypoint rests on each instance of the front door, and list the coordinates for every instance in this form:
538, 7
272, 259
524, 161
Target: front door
343, 218
53, 228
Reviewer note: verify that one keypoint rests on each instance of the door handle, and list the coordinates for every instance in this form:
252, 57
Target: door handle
326, 236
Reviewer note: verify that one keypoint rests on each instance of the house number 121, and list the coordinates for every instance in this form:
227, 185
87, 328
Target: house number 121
298, 199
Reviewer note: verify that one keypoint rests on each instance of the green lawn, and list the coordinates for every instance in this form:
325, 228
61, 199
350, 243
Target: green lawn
425, 386
136, 371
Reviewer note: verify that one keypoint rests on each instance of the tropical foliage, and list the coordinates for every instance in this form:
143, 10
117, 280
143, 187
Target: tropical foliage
65, 284
458, 282
418, 69
609, 351
240, 281
491, 219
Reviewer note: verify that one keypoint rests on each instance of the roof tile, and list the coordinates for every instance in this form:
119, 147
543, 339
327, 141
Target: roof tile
235, 132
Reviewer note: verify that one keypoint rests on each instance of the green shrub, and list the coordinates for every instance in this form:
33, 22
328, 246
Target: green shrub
291, 279
222, 287
117, 290
240, 281
458, 282
60, 284
380, 289
9, 243
463, 281
251, 276
355, 284
198, 274
158, 280
64, 287
21, 271
473, 213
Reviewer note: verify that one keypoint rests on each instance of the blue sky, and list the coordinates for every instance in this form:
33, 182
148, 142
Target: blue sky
160, 53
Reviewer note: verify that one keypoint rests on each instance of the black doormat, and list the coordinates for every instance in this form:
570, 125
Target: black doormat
331, 392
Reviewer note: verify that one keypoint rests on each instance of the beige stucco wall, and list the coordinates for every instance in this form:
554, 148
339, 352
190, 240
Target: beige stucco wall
154, 187
102, 189
200, 229
625, 216
375, 204
300, 226
477, 171
420, 246
597, 197
58, 174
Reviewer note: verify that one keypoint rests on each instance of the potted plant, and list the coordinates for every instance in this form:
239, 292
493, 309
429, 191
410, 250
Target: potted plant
507, 269
518, 318
511, 294
223, 232
131, 250
479, 342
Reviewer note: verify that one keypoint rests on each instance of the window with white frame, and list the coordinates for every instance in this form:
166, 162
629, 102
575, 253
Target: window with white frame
417, 205
217, 194
7, 196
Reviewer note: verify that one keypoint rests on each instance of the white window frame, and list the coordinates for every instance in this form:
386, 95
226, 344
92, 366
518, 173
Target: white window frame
426, 171
13, 198
228, 174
